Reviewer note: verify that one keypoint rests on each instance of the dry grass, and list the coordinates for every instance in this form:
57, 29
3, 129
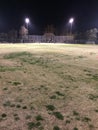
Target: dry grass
48, 87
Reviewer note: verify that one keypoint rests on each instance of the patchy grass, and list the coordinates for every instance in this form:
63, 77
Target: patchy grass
48, 87
86, 119
68, 121
3, 115
16, 83
58, 115
11, 69
59, 93
17, 55
75, 128
28, 117
50, 107
56, 128
96, 110
39, 118
32, 125
75, 113
53, 97
93, 97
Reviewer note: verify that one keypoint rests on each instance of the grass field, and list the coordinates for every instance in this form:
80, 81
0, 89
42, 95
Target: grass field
48, 87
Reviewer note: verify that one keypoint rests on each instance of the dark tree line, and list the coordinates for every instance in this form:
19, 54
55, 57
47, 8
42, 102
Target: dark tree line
90, 35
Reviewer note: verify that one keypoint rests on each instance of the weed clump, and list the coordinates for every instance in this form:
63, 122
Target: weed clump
86, 119
39, 118
53, 97
16, 83
56, 128
32, 125
75, 113
75, 128
50, 107
59, 93
58, 115
3, 115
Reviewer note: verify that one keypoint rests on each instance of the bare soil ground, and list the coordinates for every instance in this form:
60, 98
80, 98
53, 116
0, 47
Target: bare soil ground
48, 87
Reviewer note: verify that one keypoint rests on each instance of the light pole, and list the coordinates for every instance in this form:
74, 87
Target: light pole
71, 20
27, 21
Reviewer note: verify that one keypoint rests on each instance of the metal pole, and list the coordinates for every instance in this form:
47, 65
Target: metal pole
71, 30
28, 32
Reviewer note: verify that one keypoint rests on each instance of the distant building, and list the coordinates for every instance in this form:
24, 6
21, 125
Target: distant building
47, 38
50, 29
23, 37
3, 37
12, 36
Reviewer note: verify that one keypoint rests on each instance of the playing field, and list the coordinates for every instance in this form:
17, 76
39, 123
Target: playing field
48, 87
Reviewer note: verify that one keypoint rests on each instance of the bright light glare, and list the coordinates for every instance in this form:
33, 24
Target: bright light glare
71, 20
27, 20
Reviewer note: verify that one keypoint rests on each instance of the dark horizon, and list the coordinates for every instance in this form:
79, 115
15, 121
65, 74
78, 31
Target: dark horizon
43, 13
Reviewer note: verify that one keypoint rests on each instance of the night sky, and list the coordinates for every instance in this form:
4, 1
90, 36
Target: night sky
48, 12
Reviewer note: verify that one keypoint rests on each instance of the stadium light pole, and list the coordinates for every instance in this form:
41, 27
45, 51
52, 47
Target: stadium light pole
27, 21
71, 20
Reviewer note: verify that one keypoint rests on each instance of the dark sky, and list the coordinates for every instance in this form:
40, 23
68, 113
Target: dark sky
48, 12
